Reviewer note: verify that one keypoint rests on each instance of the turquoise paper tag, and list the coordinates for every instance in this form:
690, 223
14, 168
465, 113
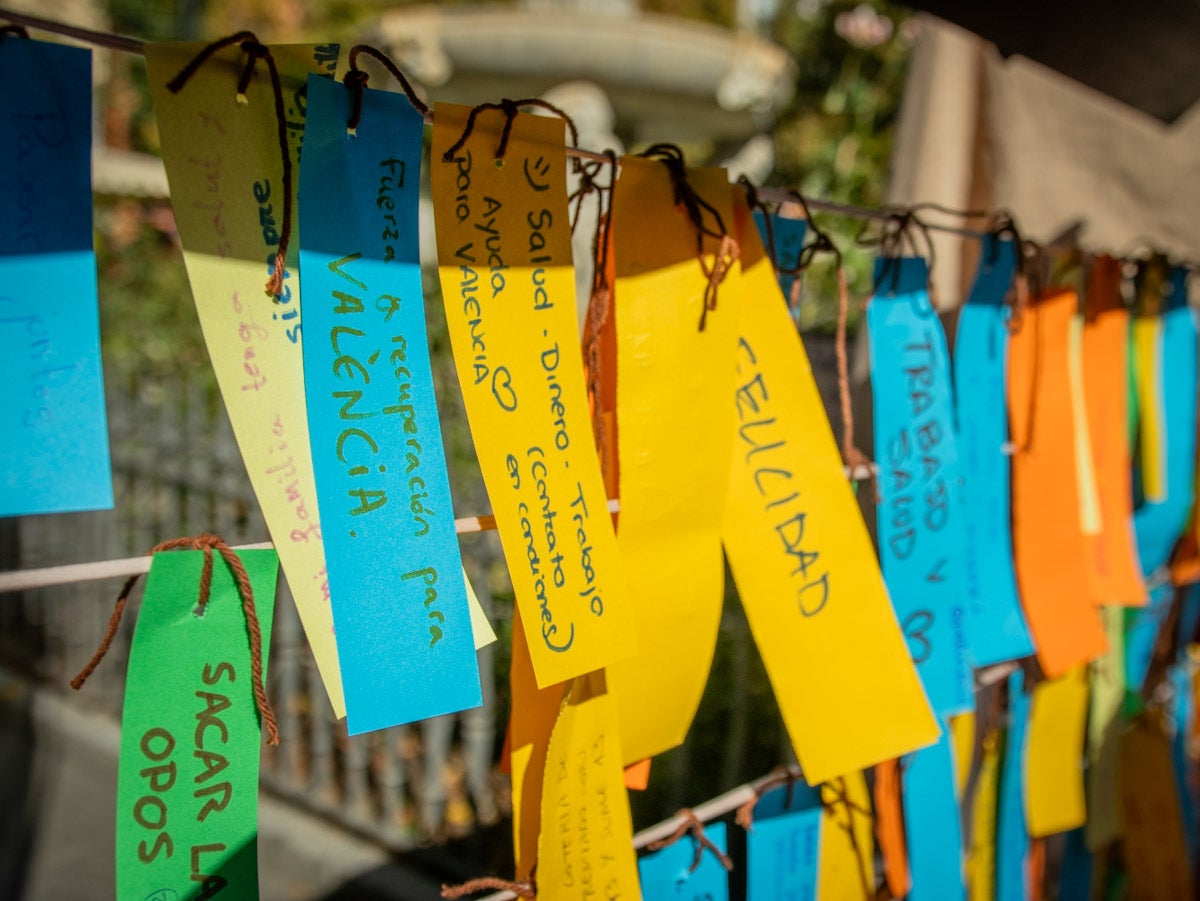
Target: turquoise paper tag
400, 611
54, 451
665, 873
996, 623
932, 824
922, 534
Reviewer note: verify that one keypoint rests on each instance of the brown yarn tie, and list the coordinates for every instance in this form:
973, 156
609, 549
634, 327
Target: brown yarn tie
489, 883
206, 543
510, 108
691, 824
356, 80
255, 51
782, 776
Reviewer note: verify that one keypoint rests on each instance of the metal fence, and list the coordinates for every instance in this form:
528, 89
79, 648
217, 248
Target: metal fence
177, 471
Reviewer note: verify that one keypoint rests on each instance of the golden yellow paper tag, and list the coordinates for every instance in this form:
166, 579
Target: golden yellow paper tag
585, 850
981, 862
1085, 467
675, 427
1054, 785
801, 556
504, 254
1155, 844
847, 862
530, 724
225, 172
962, 740
1147, 346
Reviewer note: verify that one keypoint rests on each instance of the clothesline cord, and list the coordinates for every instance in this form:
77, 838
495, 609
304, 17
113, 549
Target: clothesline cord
133, 45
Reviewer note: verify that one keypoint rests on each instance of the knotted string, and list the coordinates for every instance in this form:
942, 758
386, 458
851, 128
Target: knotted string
899, 232
356, 80
691, 824
255, 51
510, 108
782, 776
696, 207
489, 883
207, 544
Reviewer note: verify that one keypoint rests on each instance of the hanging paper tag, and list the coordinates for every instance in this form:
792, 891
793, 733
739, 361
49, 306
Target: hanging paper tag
1054, 780
1155, 846
922, 540
782, 857
1115, 567
1103, 729
788, 235
932, 824
889, 827
1012, 836
1050, 553
802, 559
226, 176
530, 724
1166, 367
504, 248
668, 873
54, 454
675, 433
981, 860
586, 844
997, 626
481, 628
187, 788
847, 840
1085, 469
399, 605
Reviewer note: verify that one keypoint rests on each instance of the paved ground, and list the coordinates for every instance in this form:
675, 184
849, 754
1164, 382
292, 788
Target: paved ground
58, 776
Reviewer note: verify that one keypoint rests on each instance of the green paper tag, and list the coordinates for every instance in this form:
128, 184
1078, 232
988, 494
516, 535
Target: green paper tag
187, 789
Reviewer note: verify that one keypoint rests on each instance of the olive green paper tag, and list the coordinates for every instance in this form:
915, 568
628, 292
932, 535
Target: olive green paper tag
187, 787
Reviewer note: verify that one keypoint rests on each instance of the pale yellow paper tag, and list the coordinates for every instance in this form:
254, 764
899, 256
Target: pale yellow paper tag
803, 562
481, 629
847, 856
223, 164
1104, 727
1054, 800
585, 850
504, 254
675, 429
1085, 468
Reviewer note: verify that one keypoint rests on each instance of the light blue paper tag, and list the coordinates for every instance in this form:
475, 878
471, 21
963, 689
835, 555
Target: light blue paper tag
395, 573
922, 535
783, 856
1012, 831
665, 873
54, 450
932, 824
1158, 524
787, 238
996, 623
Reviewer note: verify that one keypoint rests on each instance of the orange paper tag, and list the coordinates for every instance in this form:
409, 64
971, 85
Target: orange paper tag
1115, 567
1050, 551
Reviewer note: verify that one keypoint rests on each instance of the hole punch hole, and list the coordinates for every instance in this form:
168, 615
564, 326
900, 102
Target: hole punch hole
498, 162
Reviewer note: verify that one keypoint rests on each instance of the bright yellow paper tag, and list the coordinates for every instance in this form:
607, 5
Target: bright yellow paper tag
1054, 799
1155, 844
801, 556
225, 172
1147, 347
1103, 729
586, 846
530, 724
504, 254
481, 629
847, 862
674, 430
